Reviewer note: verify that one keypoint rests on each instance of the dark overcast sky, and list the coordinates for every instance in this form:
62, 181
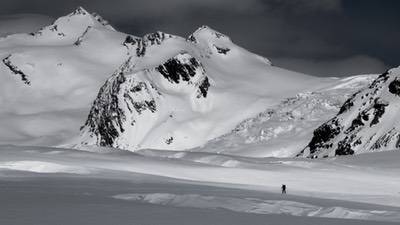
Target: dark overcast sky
320, 37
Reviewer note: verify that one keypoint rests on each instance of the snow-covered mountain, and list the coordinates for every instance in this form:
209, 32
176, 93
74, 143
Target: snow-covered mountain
284, 129
50, 77
161, 91
367, 121
175, 93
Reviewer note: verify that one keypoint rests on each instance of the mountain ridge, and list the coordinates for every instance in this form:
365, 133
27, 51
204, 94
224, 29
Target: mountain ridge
162, 91
366, 122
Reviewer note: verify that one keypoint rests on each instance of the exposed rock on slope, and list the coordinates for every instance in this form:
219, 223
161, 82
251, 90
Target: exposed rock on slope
128, 106
61, 67
14, 69
367, 121
176, 93
281, 130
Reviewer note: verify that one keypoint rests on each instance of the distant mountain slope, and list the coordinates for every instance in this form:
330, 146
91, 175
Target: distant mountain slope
174, 93
282, 130
367, 122
49, 77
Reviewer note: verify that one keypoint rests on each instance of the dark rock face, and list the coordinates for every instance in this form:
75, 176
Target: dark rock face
80, 38
105, 118
344, 148
79, 11
15, 70
192, 39
137, 43
323, 134
384, 140
379, 110
222, 50
357, 122
394, 87
100, 19
381, 79
175, 71
140, 44
203, 88
155, 38
348, 104
126, 97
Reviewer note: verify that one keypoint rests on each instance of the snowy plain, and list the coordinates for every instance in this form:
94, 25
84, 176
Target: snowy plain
41, 185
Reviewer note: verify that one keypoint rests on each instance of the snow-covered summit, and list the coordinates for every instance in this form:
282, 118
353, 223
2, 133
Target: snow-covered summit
73, 25
56, 72
366, 122
179, 93
208, 36
64, 30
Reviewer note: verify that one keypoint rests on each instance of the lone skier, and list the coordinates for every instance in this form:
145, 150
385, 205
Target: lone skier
283, 189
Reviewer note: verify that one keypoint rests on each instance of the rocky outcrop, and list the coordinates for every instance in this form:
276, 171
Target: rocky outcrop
129, 101
366, 122
139, 45
15, 70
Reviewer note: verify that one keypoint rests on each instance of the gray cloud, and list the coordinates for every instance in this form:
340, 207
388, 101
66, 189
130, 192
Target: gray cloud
354, 65
22, 23
305, 6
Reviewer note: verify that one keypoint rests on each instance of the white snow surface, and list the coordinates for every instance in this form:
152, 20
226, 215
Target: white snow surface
62, 78
347, 189
284, 129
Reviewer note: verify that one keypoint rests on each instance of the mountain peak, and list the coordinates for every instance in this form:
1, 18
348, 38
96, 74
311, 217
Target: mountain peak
394, 70
79, 11
73, 25
207, 33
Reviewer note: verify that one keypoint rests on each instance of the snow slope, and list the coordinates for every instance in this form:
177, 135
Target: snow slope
174, 93
283, 129
366, 122
118, 185
48, 73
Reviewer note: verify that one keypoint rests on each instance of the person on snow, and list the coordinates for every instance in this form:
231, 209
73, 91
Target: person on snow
283, 189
